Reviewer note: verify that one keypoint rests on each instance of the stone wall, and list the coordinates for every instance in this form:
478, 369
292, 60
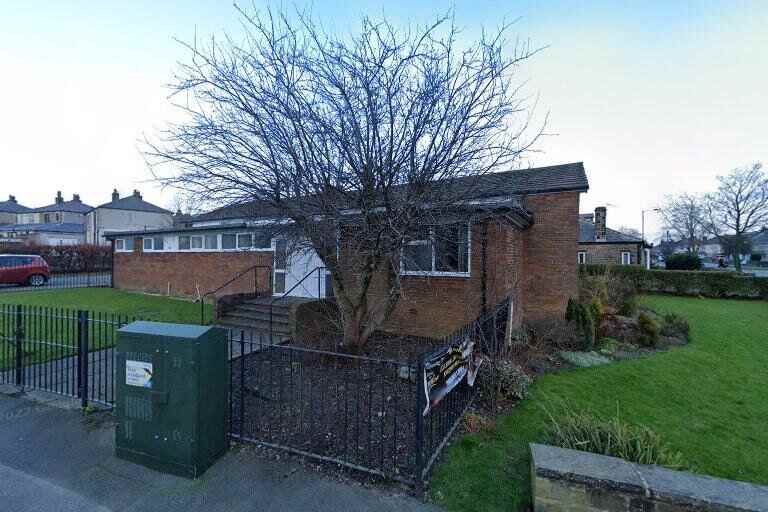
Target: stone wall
610, 253
569, 480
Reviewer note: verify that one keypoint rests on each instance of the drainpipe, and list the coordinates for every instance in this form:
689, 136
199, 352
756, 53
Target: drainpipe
484, 270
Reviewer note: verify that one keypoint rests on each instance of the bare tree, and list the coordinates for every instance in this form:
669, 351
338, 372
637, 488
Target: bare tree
629, 231
739, 206
684, 216
356, 140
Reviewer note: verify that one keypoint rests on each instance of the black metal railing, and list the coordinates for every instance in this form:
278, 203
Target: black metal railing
320, 292
346, 409
240, 275
435, 429
361, 412
63, 351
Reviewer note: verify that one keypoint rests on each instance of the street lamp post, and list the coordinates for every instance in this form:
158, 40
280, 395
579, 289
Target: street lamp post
642, 236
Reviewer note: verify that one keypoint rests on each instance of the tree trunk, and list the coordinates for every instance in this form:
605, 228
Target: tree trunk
354, 330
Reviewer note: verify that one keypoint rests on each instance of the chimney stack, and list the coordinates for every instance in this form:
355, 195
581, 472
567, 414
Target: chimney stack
115, 194
76, 198
59, 198
12, 199
137, 194
600, 229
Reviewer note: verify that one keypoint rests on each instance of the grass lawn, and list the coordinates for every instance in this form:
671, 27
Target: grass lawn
707, 400
50, 333
108, 300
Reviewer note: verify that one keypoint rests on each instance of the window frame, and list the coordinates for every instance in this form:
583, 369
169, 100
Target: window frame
125, 247
581, 255
433, 246
629, 257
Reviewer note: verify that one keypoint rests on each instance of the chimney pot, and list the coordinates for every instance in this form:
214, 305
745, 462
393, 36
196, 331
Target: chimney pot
115, 194
600, 223
12, 198
59, 198
76, 197
137, 194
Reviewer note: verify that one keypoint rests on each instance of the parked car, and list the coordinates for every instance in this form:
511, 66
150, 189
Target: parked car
24, 269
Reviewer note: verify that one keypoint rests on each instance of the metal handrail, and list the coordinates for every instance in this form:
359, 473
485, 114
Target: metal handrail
240, 274
286, 294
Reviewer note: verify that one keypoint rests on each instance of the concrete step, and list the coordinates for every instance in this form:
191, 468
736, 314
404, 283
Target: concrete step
254, 325
258, 316
257, 310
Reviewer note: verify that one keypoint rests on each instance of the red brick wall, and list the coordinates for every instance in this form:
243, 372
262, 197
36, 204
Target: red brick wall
185, 274
549, 256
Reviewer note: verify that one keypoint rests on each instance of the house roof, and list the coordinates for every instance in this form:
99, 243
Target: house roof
73, 206
555, 178
135, 204
587, 235
239, 226
64, 227
13, 207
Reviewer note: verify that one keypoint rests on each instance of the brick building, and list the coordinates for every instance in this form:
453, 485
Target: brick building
517, 235
599, 244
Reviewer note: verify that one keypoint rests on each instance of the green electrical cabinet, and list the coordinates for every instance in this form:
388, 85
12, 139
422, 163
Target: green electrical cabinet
171, 401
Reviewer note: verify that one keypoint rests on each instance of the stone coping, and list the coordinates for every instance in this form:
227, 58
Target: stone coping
653, 482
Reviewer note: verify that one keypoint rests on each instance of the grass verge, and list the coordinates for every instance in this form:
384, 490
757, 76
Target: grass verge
707, 400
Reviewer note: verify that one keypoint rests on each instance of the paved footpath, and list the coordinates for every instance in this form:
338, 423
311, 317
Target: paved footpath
56, 459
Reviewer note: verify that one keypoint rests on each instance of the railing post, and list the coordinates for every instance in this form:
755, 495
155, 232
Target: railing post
242, 380
421, 402
82, 351
19, 335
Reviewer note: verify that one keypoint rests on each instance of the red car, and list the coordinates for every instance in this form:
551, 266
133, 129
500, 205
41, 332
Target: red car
23, 269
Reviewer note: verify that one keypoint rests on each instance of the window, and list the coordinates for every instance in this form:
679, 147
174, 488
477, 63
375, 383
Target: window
262, 241
124, 245
438, 250
582, 258
196, 242
626, 258
184, 243
156, 243
229, 241
211, 242
244, 241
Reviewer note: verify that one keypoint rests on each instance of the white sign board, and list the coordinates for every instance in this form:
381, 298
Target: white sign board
138, 373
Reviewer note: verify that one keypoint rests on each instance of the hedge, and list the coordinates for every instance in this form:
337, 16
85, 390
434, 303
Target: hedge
67, 258
716, 284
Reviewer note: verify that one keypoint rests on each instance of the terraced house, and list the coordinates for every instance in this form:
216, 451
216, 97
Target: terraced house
516, 236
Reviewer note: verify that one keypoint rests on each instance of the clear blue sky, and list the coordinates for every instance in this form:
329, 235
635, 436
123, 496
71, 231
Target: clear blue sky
654, 97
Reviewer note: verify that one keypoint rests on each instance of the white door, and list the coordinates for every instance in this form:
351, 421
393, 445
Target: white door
291, 269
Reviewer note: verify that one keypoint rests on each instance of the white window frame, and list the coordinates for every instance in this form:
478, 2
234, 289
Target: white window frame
581, 257
122, 243
629, 257
431, 243
221, 244
153, 247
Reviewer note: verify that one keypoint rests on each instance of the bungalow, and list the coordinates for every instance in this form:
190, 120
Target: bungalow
599, 244
525, 250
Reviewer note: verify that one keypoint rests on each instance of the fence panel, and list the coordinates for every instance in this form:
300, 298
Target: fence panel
62, 351
340, 408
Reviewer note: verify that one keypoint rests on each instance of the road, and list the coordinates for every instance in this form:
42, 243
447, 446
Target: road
61, 281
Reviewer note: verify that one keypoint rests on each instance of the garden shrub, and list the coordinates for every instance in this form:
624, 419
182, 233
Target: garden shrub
685, 261
612, 437
582, 316
596, 309
504, 380
627, 280
649, 330
608, 346
675, 326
